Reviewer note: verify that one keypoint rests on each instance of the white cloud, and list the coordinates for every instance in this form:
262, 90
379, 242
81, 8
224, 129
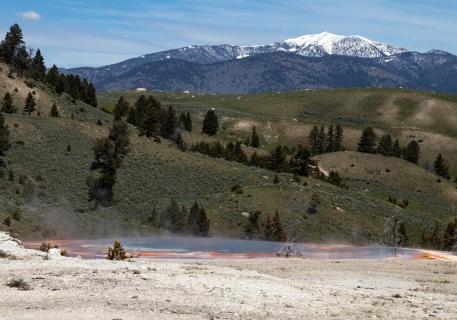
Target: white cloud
30, 16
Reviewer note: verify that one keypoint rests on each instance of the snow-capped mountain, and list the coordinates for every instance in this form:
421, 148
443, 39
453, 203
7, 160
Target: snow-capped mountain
317, 45
325, 43
322, 60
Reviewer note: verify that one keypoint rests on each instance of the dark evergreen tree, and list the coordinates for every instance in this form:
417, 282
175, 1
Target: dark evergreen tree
62, 84
338, 143
169, 123
254, 140
121, 108
119, 136
188, 123
385, 145
90, 95
210, 123
54, 111
172, 216
330, 144
403, 238
441, 167
276, 159
411, 152
203, 223
450, 236
10, 45
321, 141
367, 142
334, 178
52, 77
149, 124
252, 228
7, 104
22, 61
279, 233
101, 187
396, 150
38, 66
301, 163
268, 228
192, 219
30, 104
313, 140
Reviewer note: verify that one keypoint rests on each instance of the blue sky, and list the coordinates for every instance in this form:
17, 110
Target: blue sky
95, 32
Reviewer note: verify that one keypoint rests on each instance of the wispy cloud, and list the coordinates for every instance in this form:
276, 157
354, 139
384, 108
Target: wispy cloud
30, 16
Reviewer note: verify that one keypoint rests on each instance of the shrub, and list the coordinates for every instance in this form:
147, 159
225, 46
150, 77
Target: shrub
19, 284
276, 179
17, 215
45, 247
117, 252
7, 221
237, 189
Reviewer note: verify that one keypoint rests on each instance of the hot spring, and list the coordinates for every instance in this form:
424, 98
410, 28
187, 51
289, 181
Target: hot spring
212, 248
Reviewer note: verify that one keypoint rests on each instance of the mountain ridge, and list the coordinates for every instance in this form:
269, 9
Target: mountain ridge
356, 53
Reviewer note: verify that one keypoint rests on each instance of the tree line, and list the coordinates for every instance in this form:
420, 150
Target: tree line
180, 219
31, 64
386, 146
270, 229
151, 119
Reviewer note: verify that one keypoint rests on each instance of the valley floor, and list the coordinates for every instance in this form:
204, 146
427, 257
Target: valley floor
66, 288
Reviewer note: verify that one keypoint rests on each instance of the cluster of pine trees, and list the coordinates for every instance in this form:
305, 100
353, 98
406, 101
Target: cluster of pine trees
14, 52
441, 168
299, 164
109, 153
181, 220
9, 107
210, 123
390, 148
73, 85
151, 119
387, 147
322, 141
271, 229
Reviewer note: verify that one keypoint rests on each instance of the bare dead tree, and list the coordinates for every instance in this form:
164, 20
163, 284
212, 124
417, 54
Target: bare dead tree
290, 248
388, 234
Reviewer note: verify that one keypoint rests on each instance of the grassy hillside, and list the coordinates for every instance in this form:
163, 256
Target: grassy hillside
287, 117
50, 159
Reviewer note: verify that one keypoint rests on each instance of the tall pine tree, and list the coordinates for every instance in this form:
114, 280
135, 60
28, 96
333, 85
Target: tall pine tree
441, 167
7, 104
210, 123
338, 143
254, 140
412, 152
367, 142
30, 104
313, 140
121, 108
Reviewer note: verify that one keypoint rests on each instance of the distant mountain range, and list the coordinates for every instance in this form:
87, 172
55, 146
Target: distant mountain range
316, 61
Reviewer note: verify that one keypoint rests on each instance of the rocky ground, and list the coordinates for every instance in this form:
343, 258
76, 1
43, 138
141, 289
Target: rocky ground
65, 288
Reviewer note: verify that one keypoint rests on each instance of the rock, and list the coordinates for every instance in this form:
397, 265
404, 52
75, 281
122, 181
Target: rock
54, 253
14, 249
